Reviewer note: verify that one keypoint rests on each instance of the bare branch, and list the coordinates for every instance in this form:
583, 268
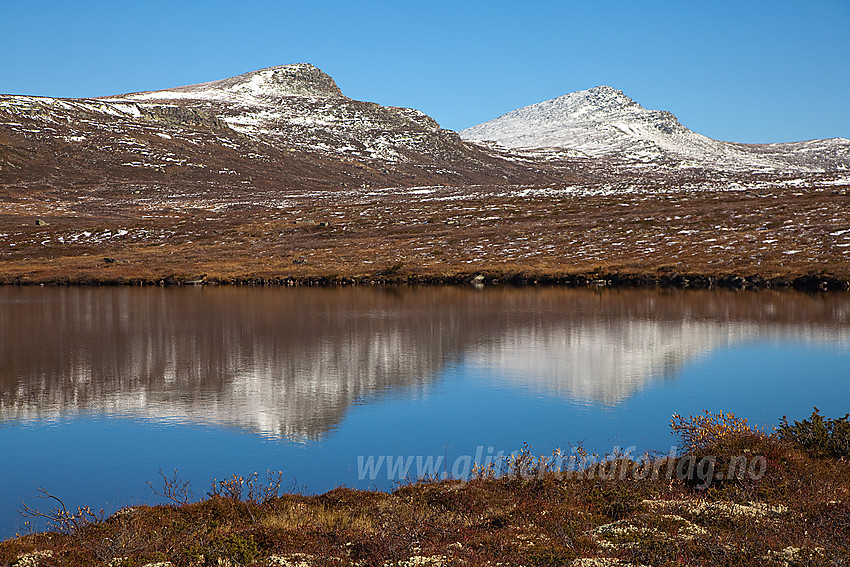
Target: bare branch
175, 489
59, 518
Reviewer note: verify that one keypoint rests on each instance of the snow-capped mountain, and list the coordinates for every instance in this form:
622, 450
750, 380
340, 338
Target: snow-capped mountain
603, 121
291, 127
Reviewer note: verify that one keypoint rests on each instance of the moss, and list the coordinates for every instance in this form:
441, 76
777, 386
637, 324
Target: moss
551, 557
616, 501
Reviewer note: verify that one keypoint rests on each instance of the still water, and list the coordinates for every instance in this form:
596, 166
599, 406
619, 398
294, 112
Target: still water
100, 388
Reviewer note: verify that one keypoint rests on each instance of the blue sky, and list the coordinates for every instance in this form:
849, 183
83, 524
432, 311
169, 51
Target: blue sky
748, 71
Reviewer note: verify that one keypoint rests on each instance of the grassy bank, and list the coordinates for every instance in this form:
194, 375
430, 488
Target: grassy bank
735, 496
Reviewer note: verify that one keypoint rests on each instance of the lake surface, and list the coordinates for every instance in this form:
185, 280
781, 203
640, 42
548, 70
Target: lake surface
100, 388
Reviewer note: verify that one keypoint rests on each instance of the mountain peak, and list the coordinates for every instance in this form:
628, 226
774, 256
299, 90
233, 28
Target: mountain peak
600, 99
299, 79
598, 121
603, 121
606, 90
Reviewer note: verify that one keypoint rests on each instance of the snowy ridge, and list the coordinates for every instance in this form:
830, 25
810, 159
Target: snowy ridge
603, 121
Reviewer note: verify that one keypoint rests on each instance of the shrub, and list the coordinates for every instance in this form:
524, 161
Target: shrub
819, 436
699, 432
251, 489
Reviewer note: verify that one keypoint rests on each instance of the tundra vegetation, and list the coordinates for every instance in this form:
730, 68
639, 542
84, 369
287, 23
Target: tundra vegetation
772, 498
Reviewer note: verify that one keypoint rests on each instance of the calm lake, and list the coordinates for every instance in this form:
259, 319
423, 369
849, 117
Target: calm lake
100, 388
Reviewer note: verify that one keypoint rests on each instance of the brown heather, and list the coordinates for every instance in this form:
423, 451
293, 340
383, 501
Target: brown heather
756, 239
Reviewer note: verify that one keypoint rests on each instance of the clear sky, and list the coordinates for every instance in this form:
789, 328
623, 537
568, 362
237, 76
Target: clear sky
743, 70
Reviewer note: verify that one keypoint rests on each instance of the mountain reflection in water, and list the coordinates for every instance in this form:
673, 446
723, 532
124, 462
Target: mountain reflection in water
289, 362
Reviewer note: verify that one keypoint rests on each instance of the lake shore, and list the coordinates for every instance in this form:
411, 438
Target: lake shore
813, 282
779, 499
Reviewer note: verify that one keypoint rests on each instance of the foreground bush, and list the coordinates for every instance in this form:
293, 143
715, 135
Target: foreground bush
821, 437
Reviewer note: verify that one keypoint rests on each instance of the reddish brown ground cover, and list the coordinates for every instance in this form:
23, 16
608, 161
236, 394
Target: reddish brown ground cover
127, 235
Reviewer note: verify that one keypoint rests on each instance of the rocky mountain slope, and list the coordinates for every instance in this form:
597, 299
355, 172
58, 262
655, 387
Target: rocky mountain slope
277, 127
603, 121
298, 106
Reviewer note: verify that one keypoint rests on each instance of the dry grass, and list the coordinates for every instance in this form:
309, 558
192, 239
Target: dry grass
299, 516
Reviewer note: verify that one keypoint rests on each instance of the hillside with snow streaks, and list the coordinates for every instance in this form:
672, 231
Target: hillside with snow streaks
288, 125
604, 122
302, 107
